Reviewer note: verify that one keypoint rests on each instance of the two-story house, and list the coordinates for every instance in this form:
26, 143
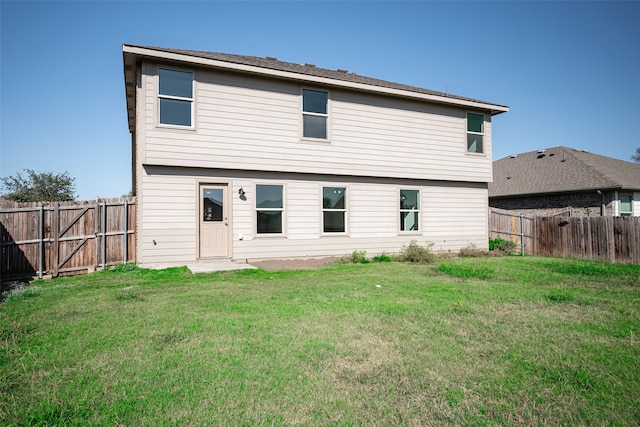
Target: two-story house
252, 158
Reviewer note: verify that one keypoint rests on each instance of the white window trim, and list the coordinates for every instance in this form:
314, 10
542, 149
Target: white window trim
304, 113
345, 210
619, 200
418, 209
283, 210
192, 100
467, 132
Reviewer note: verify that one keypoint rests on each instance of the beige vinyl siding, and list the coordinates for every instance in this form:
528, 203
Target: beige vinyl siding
243, 215
453, 216
303, 216
373, 211
168, 217
251, 123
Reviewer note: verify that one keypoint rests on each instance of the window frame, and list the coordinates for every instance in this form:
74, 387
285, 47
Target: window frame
417, 209
468, 132
345, 210
626, 213
161, 96
282, 210
326, 115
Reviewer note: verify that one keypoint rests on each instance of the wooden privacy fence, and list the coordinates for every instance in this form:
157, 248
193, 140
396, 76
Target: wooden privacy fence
603, 238
64, 238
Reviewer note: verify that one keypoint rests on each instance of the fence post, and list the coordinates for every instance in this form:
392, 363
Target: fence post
55, 229
104, 234
522, 234
96, 230
611, 243
125, 233
41, 242
534, 235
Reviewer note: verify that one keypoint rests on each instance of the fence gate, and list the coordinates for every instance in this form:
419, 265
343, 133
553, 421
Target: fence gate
66, 237
512, 226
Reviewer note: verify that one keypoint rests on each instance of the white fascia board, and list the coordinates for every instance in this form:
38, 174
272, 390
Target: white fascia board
493, 108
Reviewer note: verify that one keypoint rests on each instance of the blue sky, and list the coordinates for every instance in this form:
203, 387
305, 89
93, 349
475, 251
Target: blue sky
569, 71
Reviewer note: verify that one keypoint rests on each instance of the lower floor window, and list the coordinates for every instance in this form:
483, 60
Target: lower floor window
334, 209
409, 210
269, 208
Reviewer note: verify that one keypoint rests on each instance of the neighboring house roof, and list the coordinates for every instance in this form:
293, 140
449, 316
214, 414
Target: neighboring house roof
561, 170
271, 66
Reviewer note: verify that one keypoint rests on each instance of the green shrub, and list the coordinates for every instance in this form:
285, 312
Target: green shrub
413, 252
358, 257
382, 258
502, 245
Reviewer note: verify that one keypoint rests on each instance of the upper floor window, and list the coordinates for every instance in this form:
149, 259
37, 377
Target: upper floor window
334, 209
475, 133
175, 93
409, 210
269, 208
626, 205
314, 113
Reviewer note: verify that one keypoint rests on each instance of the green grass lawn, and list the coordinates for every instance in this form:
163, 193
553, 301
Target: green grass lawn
464, 341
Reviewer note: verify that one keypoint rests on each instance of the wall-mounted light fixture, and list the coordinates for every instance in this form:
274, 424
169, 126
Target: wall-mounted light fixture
241, 191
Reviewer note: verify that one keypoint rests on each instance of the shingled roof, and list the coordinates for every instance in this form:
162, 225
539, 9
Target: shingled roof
307, 69
561, 170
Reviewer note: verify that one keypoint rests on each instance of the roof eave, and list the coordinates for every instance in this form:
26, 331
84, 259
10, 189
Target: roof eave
130, 70
547, 193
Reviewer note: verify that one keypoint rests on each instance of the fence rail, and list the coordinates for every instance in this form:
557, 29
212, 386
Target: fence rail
62, 238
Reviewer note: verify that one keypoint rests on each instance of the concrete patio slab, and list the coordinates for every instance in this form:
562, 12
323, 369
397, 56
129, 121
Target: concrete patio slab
203, 266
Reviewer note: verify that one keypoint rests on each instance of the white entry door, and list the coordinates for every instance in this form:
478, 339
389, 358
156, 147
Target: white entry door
214, 221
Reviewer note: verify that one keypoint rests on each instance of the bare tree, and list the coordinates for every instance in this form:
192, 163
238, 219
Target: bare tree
636, 157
